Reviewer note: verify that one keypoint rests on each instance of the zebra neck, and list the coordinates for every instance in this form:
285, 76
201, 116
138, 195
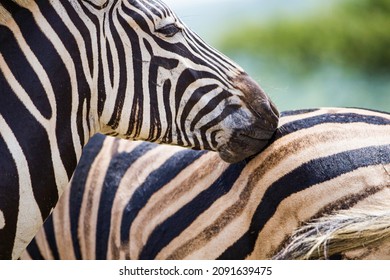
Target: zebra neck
47, 83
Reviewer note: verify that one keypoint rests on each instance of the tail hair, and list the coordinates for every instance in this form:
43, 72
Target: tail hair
340, 232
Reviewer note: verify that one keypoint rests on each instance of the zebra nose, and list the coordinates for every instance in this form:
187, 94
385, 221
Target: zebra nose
267, 115
263, 110
253, 137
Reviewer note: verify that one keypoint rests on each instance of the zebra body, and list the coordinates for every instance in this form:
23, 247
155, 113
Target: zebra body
131, 69
132, 200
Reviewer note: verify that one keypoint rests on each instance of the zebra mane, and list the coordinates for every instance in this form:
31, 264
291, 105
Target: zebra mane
344, 231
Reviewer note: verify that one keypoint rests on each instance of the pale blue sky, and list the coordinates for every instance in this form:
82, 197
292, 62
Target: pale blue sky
210, 17
325, 87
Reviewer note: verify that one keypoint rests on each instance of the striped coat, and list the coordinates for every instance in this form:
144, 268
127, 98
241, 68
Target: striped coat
326, 171
126, 68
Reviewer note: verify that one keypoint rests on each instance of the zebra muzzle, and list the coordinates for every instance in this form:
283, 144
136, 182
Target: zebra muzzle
251, 138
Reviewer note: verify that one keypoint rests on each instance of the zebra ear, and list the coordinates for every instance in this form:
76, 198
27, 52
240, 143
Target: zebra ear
98, 4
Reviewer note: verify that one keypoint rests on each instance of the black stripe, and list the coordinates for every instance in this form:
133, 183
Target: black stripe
156, 63
123, 80
119, 165
193, 100
177, 48
77, 188
78, 20
33, 250
164, 9
51, 237
153, 183
102, 94
137, 15
76, 196
97, 7
313, 172
187, 77
227, 111
110, 63
61, 83
12, 7
297, 112
33, 139
82, 28
18, 64
216, 60
95, 18
342, 118
9, 199
167, 138
138, 72
152, 10
211, 105
196, 142
214, 54
164, 233
56, 71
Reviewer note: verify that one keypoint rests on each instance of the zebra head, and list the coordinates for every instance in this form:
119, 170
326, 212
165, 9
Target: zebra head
164, 84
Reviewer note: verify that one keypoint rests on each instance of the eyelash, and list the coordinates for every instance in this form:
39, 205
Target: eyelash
169, 30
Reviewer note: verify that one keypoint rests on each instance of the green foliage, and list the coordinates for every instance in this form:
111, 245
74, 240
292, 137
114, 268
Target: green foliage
354, 35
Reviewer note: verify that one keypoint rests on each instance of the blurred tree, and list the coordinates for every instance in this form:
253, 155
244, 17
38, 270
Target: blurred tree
355, 34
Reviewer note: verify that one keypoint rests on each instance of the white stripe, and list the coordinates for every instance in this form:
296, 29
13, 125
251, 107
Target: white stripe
49, 125
330, 110
2, 220
111, 88
301, 206
240, 225
129, 96
66, 58
62, 227
21, 94
29, 215
92, 78
130, 182
169, 200
43, 245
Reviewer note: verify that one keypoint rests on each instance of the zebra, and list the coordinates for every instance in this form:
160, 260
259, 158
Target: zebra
125, 68
321, 190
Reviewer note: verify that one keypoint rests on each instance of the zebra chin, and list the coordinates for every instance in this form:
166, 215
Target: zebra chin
247, 142
240, 148
246, 138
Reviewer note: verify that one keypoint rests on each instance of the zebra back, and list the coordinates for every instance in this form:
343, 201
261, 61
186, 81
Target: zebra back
135, 200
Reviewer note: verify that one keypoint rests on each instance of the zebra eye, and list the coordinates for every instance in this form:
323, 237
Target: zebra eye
169, 30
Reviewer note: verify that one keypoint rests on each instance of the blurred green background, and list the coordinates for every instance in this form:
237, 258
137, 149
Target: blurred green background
304, 54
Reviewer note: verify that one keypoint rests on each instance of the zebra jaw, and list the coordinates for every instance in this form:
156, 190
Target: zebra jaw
241, 148
246, 142
249, 137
